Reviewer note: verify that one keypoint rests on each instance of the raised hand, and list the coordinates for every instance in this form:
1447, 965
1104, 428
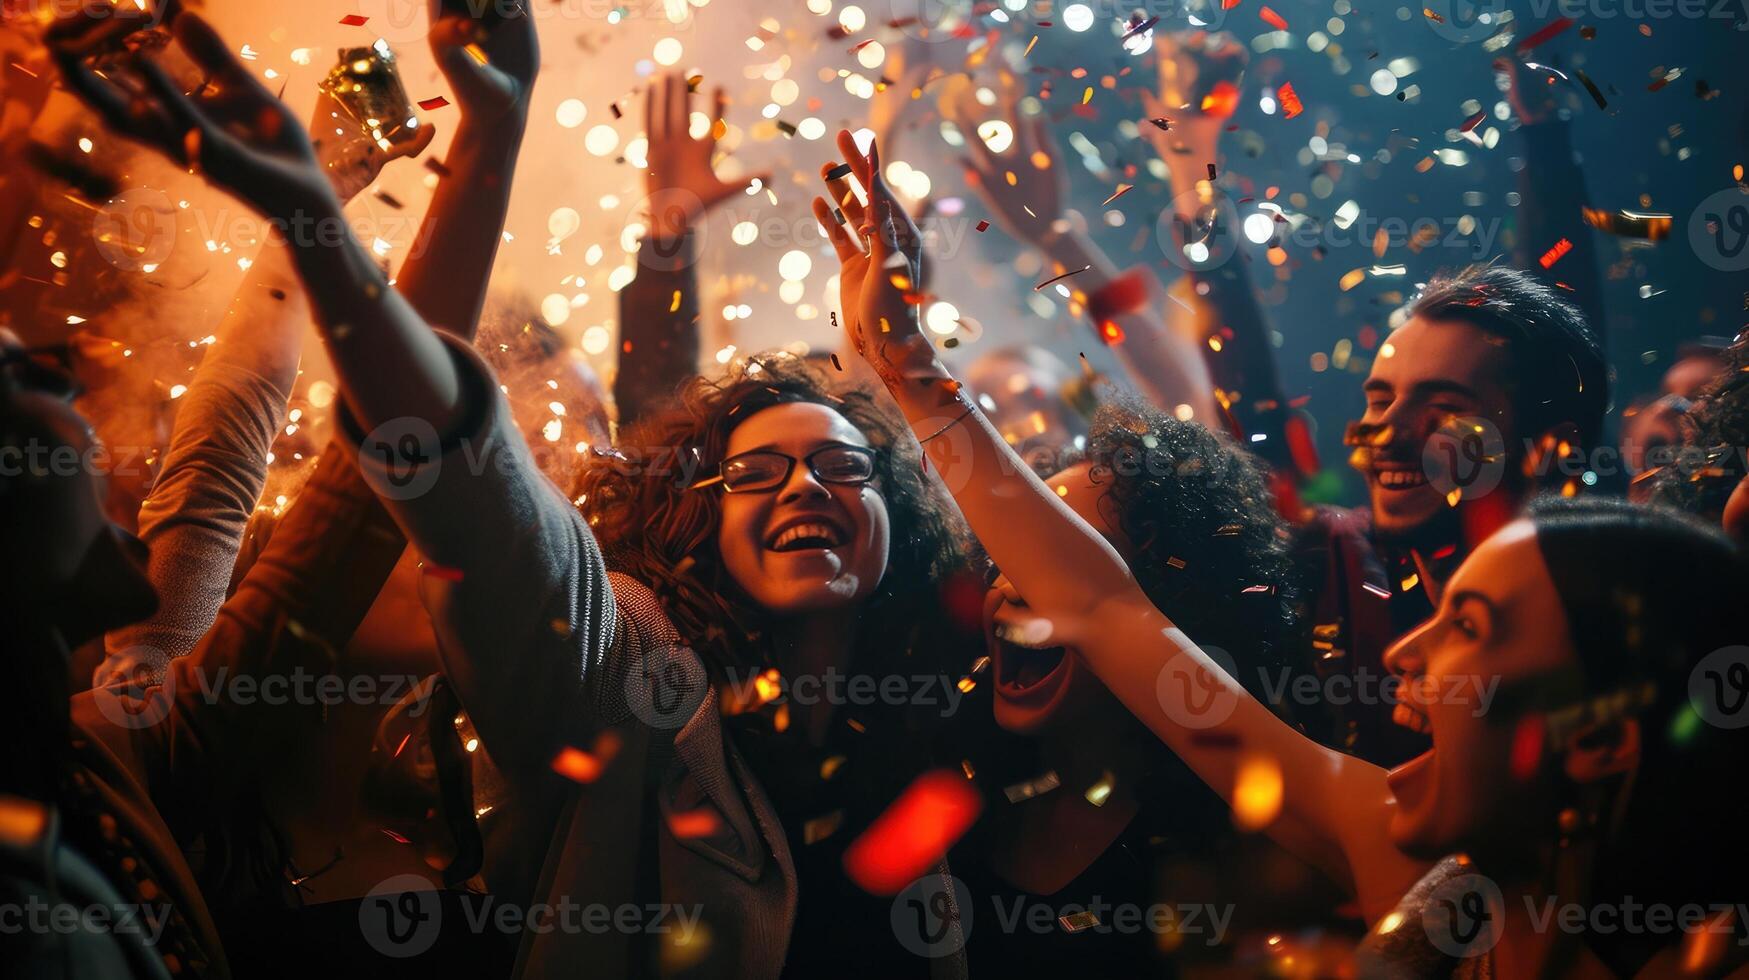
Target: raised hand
1032, 201
230, 128
354, 160
879, 266
681, 179
497, 88
1200, 79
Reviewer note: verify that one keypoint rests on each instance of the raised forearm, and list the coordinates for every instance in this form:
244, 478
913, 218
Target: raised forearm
447, 272
1030, 533
658, 325
1128, 312
390, 364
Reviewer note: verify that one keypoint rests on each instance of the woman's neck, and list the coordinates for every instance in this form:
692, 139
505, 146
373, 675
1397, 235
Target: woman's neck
817, 646
1533, 940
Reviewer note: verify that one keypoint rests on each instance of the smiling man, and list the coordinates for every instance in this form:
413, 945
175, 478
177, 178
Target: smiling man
1492, 380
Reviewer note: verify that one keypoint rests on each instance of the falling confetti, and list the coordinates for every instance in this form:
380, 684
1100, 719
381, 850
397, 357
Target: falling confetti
1290, 101
913, 833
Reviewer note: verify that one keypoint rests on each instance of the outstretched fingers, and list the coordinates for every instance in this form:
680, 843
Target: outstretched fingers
846, 246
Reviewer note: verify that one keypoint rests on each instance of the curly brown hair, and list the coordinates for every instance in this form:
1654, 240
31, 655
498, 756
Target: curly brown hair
1211, 549
642, 504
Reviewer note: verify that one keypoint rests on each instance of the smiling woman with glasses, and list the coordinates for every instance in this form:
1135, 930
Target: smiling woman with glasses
799, 540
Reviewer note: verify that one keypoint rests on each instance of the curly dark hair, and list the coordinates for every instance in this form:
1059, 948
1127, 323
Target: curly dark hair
659, 530
1718, 429
1211, 549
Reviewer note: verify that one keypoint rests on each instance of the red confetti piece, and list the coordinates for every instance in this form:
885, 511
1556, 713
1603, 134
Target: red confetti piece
983, 226
1527, 747
694, 824
1111, 333
354, 20
1290, 101
913, 833
1555, 253
1545, 32
1273, 18
1221, 101
577, 765
1473, 121
436, 102
584, 767
1229, 4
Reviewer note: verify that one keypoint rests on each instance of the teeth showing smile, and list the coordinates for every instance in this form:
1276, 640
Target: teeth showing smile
813, 534
1411, 717
1400, 479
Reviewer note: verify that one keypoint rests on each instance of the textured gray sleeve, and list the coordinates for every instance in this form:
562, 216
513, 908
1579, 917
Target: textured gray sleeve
194, 517
514, 580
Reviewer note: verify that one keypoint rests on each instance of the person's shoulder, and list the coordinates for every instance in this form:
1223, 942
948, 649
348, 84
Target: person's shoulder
641, 610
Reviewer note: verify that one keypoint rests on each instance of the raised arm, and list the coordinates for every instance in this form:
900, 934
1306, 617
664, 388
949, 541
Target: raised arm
1125, 309
1334, 807
1184, 126
1552, 186
446, 274
516, 584
658, 310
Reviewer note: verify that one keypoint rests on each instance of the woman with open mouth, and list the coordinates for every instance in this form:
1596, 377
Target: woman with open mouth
1570, 765
1123, 822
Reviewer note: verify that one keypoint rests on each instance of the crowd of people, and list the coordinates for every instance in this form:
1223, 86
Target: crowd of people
839, 664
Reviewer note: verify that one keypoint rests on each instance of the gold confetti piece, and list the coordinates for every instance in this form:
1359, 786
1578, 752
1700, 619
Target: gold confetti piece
830, 766
1078, 921
674, 305
1650, 226
820, 828
1352, 279
1029, 45
1031, 788
1100, 791
1122, 189
1087, 96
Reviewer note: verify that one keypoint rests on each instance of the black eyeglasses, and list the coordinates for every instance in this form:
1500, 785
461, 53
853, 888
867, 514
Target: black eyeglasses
764, 469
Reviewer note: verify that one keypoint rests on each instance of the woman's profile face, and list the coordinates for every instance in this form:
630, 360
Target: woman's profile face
807, 544
1488, 780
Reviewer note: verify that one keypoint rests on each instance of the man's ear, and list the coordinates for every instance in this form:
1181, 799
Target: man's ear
1599, 751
